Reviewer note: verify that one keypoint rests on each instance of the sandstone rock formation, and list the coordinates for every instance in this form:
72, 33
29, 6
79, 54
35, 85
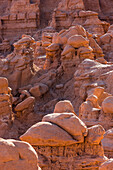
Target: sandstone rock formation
107, 165
70, 47
72, 13
17, 155
108, 143
16, 20
106, 42
25, 107
19, 17
89, 79
5, 48
97, 109
18, 66
64, 106
62, 141
62, 71
103, 7
6, 114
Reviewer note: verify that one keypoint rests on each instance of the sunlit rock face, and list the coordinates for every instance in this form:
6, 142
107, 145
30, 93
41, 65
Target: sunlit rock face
64, 141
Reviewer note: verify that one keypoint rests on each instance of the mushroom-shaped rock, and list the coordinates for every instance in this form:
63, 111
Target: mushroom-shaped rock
47, 134
107, 165
95, 134
25, 104
39, 90
77, 41
64, 106
70, 123
107, 105
3, 85
16, 155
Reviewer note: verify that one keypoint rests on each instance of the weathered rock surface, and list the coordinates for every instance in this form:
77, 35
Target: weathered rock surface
48, 134
107, 105
64, 106
70, 123
56, 143
106, 42
95, 134
6, 114
73, 13
18, 66
17, 155
18, 18
88, 80
108, 143
107, 165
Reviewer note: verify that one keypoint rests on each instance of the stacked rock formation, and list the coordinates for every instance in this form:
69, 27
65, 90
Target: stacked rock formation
108, 143
97, 108
20, 17
103, 7
18, 66
106, 42
5, 48
76, 44
94, 85
17, 155
62, 141
72, 13
6, 114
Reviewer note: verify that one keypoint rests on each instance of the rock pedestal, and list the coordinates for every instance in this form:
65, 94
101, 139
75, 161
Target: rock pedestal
62, 141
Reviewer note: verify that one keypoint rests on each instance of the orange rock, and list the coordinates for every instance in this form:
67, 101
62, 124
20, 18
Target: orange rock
25, 104
70, 123
64, 106
95, 134
47, 134
3, 85
107, 105
17, 155
77, 41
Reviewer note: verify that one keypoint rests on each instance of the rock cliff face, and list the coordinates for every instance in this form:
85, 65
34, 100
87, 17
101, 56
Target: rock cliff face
19, 17
73, 13
16, 20
103, 7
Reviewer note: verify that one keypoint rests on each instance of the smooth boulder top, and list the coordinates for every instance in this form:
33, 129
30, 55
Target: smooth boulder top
70, 123
16, 155
25, 104
107, 105
95, 134
64, 106
53, 47
47, 134
67, 49
77, 41
3, 85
